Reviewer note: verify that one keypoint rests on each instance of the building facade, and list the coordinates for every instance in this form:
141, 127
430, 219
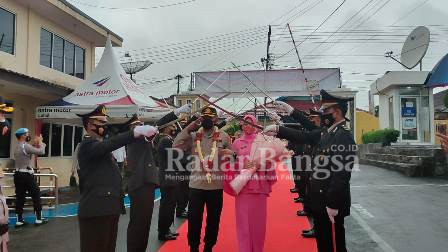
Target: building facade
47, 48
187, 97
405, 104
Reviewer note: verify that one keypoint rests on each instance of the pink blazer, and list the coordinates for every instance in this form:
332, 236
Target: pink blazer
261, 182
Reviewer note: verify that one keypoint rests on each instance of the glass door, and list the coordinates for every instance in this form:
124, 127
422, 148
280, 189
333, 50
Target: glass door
409, 119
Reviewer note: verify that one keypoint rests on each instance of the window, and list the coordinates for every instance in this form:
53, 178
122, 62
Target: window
198, 105
7, 31
61, 140
179, 103
61, 55
69, 58
68, 141
56, 134
58, 53
45, 48
80, 65
46, 129
188, 101
78, 136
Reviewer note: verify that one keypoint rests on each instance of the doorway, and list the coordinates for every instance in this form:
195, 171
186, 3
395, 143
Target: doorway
409, 129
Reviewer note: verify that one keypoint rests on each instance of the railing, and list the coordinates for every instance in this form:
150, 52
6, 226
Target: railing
53, 179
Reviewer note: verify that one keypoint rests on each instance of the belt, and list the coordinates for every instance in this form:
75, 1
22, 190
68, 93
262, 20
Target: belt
27, 170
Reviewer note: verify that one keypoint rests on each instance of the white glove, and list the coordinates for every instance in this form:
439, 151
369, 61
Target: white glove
273, 116
283, 106
229, 119
145, 130
184, 109
221, 114
332, 213
271, 130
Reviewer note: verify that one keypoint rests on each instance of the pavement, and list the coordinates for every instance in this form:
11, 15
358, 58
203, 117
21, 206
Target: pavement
390, 212
397, 213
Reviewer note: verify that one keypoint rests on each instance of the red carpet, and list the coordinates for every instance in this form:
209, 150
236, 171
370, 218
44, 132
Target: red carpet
283, 228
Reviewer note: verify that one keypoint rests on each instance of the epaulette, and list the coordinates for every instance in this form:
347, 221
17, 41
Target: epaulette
345, 127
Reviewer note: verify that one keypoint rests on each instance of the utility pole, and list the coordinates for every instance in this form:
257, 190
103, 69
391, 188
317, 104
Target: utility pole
178, 77
268, 65
268, 56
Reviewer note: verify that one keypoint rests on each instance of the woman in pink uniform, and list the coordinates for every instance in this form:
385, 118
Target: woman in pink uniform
251, 201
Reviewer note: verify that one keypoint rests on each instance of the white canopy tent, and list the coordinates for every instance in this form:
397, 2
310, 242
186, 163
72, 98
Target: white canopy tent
109, 85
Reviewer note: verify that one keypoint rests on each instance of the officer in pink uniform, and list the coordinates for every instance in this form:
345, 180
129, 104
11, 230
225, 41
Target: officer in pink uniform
251, 201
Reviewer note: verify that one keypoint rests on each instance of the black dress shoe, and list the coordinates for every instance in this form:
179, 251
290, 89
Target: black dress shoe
174, 233
310, 234
298, 200
182, 215
167, 237
208, 248
306, 230
302, 213
294, 190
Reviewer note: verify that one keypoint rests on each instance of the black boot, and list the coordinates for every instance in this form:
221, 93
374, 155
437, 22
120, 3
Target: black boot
167, 237
302, 213
208, 248
310, 234
298, 200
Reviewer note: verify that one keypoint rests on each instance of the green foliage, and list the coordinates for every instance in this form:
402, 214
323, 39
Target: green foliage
385, 136
232, 128
445, 100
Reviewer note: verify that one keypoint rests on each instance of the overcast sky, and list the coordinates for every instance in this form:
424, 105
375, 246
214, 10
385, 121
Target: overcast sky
162, 34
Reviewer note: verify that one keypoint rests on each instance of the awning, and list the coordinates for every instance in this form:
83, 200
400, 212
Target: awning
439, 74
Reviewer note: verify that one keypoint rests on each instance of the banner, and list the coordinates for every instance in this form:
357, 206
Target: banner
286, 82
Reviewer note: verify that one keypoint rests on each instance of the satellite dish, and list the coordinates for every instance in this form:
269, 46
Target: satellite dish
414, 48
134, 67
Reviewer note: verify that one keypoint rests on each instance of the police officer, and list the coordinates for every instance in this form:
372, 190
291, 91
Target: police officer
100, 186
169, 181
142, 182
330, 181
315, 117
308, 136
24, 180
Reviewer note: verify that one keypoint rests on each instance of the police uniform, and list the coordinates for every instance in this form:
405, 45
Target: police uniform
24, 179
169, 183
141, 186
100, 187
308, 137
204, 193
330, 181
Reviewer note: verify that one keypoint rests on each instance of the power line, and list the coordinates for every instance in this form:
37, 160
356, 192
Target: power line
204, 52
258, 29
292, 9
340, 27
293, 18
320, 25
401, 18
218, 44
132, 8
365, 20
